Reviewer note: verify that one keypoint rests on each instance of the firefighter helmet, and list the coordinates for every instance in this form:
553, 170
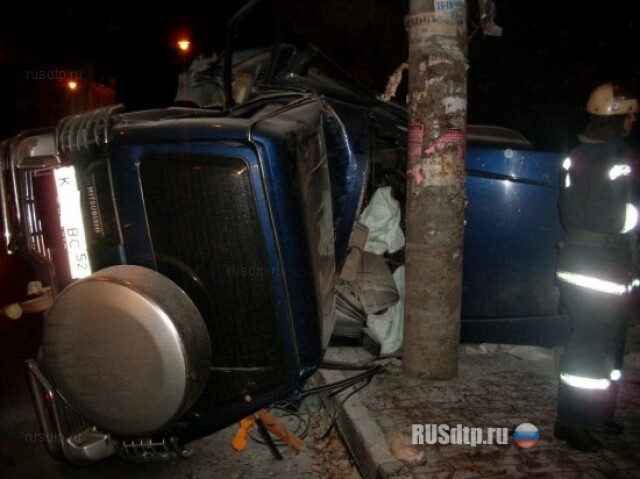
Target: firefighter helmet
612, 99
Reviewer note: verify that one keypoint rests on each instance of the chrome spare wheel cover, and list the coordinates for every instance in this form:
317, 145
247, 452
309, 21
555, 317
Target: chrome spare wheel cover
127, 348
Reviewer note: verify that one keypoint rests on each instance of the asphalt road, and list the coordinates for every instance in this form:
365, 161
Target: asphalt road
23, 454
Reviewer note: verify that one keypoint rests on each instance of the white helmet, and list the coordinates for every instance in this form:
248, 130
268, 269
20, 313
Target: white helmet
612, 99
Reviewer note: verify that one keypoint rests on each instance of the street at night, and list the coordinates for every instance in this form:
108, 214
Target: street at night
324, 239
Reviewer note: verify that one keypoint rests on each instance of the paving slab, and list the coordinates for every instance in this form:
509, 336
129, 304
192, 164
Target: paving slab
498, 386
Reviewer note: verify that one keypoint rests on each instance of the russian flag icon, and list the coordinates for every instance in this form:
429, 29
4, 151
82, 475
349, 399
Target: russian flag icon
526, 435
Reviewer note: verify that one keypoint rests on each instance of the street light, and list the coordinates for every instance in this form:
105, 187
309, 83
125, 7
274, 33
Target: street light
183, 46
73, 96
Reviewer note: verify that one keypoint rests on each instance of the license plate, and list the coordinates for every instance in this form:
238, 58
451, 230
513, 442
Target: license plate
71, 221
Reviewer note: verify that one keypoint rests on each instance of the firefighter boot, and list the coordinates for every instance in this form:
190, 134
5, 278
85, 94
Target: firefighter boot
577, 437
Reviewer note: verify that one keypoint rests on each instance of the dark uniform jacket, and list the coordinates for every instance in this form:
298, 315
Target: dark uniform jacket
593, 208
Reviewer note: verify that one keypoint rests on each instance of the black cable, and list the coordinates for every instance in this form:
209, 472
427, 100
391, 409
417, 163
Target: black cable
298, 409
341, 403
369, 372
289, 409
340, 366
338, 387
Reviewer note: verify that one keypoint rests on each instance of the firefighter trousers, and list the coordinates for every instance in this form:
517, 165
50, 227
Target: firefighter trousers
595, 349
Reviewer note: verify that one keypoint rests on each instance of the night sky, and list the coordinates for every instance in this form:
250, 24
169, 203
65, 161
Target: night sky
535, 78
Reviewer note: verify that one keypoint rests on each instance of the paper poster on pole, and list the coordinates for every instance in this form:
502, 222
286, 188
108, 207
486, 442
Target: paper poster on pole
445, 21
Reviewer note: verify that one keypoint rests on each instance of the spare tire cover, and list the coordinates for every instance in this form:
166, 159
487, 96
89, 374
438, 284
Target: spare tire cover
127, 349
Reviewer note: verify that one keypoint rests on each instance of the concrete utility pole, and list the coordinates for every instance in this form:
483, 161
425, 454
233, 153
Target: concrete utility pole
435, 187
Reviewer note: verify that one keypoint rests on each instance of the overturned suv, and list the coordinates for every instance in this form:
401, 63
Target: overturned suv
188, 257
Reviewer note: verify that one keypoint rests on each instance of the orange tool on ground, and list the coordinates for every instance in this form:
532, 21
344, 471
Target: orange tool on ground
239, 441
280, 430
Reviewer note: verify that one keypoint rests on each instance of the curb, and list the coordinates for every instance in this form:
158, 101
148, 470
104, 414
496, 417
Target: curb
363, 437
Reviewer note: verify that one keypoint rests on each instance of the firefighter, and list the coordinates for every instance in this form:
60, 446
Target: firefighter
597, 265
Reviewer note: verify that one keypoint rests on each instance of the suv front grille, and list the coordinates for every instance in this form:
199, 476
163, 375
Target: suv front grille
207, 238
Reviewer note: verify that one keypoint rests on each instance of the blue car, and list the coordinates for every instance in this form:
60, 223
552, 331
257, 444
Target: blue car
189, 254
511, 235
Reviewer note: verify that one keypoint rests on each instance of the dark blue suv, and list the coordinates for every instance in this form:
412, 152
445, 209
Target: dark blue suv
189, 254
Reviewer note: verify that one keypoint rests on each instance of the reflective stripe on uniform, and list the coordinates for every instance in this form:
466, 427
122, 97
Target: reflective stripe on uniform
566, 166
584, 382
630, 219
617, 171
596, 284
